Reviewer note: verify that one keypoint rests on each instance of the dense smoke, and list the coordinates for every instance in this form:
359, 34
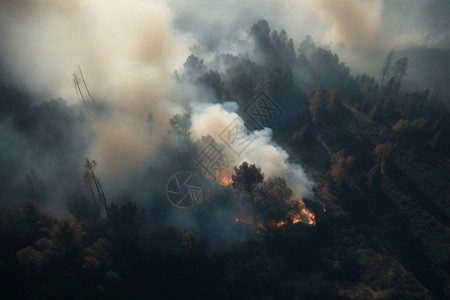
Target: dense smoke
259, 148
128, 52
353, 22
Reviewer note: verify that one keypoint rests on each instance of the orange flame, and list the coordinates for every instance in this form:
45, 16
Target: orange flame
224, 178
225, 181
304, 216
308, 217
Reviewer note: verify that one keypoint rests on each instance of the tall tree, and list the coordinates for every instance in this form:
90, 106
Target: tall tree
194, 67
341, 166
94, 187
317, 104
246, 178
307, 47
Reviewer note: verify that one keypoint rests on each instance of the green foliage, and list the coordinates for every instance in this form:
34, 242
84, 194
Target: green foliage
240, 82
26, 222
212, 80
194, 66
307, 47
62, 249
57, 250
246, 178
66, 237
277, 80
328, 69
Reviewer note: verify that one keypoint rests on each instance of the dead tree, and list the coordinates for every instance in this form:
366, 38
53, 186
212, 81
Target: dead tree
95, 188
81, 88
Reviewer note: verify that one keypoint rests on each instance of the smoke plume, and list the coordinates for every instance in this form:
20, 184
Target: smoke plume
353, 22
260, 150
127, 52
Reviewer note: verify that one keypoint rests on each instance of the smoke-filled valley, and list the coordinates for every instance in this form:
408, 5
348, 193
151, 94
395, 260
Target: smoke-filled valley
153, 149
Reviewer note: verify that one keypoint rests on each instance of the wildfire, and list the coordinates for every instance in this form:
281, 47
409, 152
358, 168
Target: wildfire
225, 181
305, 216
300, 214
308, 217
224, 178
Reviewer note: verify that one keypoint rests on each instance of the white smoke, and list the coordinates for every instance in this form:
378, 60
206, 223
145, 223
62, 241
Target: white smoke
259, 149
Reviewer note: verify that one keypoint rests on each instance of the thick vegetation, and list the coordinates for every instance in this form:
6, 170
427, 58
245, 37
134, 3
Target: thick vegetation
379, 157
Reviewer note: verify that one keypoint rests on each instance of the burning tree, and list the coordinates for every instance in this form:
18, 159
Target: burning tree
276, 205
246, 178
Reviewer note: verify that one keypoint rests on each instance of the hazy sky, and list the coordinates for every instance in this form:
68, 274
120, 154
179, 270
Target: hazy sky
363, 24
44, 40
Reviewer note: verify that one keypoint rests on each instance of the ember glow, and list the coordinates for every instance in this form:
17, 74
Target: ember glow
224, 178
224, 181
305, 216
